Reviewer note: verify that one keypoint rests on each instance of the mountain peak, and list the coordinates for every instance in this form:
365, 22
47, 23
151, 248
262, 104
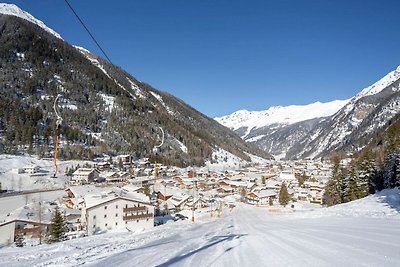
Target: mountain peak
280, 115
13, 10
381, 84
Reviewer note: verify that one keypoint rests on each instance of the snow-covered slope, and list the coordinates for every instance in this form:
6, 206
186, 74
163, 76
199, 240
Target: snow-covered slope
279, 115
384, 204
13, 10
377, 87
240, 237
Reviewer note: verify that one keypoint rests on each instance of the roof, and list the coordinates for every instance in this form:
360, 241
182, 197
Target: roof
92, 201
265, 193
84, 171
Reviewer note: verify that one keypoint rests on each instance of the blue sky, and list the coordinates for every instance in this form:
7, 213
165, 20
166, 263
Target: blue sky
220, 56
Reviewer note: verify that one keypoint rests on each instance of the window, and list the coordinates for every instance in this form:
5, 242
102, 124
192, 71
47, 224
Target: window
105, 215
94, 217
116, 223
116, 206
105, 207
126, 222
147, 219
126, 206
116, 214
137, 220
105, 225
94, 226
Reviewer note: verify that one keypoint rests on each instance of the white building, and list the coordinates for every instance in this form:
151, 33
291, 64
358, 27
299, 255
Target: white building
101, 213
84, 176
29, 169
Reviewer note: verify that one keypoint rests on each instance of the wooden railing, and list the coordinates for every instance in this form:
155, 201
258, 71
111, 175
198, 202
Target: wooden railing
136, 217
141, 208
27, 230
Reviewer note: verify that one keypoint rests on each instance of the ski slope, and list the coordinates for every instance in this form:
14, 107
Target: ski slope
244, 236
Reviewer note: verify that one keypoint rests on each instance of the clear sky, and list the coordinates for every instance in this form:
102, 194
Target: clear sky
220, 56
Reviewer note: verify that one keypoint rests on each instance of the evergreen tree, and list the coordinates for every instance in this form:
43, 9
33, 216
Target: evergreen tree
263, 180
353, 186
120, 164
146, 190
368, 174
57, 228
284, 196
392, 171
19, 240
333, 189
243, 194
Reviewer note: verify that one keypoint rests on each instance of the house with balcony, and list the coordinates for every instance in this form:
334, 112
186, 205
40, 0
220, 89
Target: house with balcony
101, 213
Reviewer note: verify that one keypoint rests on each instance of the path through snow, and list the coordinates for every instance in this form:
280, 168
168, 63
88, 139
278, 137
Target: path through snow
246, 236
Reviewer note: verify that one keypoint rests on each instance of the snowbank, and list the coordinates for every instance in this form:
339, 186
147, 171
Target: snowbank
385, 204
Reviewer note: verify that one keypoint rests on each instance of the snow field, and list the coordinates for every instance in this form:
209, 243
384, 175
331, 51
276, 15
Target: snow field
244, 236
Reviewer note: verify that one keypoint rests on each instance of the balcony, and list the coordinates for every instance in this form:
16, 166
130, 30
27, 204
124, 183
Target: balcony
137, 217
141, 208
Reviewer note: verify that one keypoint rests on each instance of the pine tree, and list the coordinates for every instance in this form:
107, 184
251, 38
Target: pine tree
392, 171
352, 188
368, 172
333, 189
19, 240
284, 196
57, 228
146, 190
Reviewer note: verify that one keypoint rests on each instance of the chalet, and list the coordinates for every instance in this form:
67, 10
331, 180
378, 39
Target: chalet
29, 169
178, 202
261, 198
225, 190
116, 177
162, 197
126, 159
141, 181
102, 213
103, 166
84, 176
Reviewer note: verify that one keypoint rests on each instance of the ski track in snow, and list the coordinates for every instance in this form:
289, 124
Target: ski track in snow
245, 236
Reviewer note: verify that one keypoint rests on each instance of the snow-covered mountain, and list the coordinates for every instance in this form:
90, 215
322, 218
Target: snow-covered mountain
13, 10
101, 104
314, 130
278, 116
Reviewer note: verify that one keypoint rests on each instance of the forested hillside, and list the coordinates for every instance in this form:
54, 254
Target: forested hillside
104, 108
375, 167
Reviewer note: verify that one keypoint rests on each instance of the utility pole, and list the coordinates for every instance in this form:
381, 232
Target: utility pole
40, 222
155, 151
194, 186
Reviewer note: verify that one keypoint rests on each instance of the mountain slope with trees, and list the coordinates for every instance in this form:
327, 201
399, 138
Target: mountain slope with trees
104, 108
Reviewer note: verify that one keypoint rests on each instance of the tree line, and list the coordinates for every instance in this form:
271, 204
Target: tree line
374, 168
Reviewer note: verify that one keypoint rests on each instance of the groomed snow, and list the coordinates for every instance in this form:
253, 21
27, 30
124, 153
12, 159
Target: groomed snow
243, 236
13, 10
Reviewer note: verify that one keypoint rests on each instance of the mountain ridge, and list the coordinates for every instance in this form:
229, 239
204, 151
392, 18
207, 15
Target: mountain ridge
105, 109
358, 119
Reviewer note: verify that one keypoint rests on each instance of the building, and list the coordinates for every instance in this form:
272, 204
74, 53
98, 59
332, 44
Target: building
101, 213
261, 198
29, 169
84, 176
27, 228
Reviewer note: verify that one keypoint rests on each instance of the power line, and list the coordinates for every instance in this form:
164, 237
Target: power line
86, 28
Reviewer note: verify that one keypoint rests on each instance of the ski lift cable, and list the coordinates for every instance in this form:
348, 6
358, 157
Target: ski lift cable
87, 30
